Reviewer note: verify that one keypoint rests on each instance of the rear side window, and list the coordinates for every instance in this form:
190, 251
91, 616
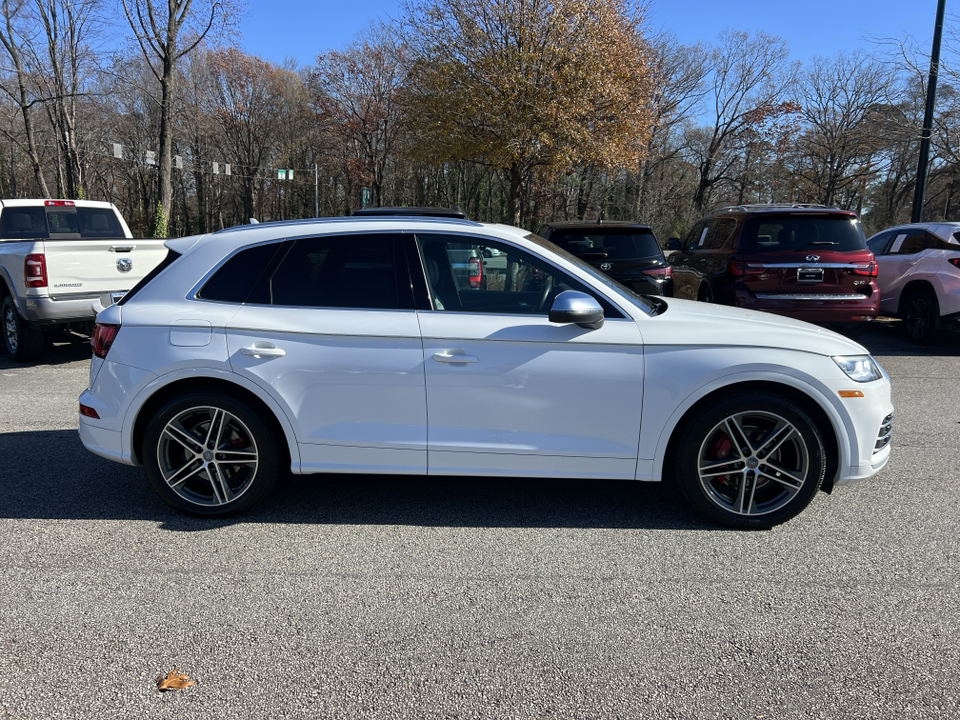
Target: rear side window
802, 233
347, 271
611, 244
239, 277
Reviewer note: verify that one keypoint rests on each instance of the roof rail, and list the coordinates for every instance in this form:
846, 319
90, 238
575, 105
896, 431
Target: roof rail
455, 213
747, 207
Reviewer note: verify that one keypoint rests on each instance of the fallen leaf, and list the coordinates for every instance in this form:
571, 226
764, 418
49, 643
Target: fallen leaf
175, 680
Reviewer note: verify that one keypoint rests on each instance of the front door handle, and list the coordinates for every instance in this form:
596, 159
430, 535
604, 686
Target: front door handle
263, 349
454, 356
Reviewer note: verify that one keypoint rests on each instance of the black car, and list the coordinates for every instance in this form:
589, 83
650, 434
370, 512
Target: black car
628, 252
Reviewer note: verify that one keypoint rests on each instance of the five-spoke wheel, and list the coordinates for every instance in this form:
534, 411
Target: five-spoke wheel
210, 455
752, 461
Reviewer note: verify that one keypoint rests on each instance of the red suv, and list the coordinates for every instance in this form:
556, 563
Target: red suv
806, 261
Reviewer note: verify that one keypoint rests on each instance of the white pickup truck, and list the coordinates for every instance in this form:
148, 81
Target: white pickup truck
62, 262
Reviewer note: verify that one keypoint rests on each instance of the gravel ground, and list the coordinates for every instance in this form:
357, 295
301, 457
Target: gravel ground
392, 597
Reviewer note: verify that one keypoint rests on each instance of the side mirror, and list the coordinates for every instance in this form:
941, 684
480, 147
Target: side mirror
572, 306
673, 244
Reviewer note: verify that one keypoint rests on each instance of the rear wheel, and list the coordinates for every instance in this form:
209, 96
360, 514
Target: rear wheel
210, 455
752, 461
20, 341
705, 294
921, 318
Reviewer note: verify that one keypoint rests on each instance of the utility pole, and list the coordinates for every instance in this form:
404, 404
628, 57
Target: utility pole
921, 186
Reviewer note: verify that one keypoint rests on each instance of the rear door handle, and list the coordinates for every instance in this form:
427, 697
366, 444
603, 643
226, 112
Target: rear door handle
455, 356
263, 349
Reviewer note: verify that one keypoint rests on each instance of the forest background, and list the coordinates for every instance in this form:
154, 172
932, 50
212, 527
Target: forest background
518, 111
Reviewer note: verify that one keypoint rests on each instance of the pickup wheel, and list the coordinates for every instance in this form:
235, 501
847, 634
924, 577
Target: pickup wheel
20, 341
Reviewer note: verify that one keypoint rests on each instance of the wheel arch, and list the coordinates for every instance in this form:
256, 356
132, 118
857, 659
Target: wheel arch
211, 384
912, 287
809, 404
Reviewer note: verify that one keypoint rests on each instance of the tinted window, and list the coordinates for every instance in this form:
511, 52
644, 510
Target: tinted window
98, 223
24, 223
718, 233
237, 277
610, 244
349, 271
466, 275
695, 237
909, 243
800, 233
59, 221
878, 243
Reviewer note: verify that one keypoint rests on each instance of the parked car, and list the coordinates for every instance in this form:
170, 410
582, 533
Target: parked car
919, 276
345, 345
627, 252
808, 262
62, 262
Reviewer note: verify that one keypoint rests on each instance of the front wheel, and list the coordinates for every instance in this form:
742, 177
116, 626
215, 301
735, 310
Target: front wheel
752, 461
20, 341
210, 455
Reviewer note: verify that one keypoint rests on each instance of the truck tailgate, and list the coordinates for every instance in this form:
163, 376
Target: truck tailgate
98, 266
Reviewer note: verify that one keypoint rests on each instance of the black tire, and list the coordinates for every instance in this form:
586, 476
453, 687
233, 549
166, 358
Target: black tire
921, 317
772, 453
20, 341
705, 294
210, 455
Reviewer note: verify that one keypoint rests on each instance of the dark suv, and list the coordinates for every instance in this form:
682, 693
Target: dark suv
627, 252
806, 261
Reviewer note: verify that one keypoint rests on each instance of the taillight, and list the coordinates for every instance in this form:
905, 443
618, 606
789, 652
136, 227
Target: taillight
870, 269
88, 411
739, 267
955, 261
664, 273
35, 270
475, 272
103, 337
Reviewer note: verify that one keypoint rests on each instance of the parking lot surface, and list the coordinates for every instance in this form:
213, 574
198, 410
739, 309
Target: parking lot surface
399, 597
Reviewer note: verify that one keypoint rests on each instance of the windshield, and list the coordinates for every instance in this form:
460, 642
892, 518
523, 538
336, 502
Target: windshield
802, 232
640, 301
608, 244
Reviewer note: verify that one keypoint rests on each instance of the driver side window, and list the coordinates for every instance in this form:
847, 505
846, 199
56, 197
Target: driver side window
468, 274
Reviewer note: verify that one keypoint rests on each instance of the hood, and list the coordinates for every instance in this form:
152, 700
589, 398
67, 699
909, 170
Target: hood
688, 322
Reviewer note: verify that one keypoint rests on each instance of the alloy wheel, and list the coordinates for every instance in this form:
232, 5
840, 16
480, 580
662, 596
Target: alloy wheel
753, 463
207, 456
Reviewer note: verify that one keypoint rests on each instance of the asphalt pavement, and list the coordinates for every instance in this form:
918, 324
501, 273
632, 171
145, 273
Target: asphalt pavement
398, 597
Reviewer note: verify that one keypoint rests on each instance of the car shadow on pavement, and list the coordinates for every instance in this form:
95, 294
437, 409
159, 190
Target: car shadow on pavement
50, 475
887, 338
62, 348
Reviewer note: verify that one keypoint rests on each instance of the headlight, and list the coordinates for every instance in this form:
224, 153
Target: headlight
860, 368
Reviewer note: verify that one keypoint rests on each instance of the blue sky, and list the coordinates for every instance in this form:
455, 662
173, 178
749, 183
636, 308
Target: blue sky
276, 30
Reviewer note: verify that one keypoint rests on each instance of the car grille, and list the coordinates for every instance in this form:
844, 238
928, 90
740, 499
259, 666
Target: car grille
883, 437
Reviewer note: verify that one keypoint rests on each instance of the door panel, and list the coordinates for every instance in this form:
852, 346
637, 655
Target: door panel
351, 382
530, 397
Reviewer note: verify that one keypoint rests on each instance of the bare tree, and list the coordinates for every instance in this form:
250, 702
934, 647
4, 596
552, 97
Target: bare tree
17, 33
357, 92
749, 79
160, 31
838, 97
